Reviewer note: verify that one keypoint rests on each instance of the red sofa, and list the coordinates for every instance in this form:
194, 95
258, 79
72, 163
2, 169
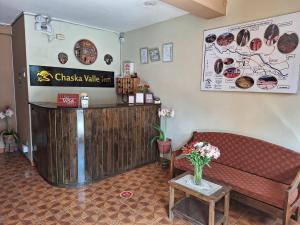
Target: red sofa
262, 175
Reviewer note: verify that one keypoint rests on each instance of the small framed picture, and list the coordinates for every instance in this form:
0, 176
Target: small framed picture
154, 54
144, 55
131, 99
139, 98
167, 52
148, 98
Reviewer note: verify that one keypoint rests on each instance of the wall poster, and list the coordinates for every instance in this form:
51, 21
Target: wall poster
258, 56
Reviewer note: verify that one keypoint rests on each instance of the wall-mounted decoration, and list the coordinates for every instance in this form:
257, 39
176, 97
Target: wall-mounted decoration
143, 55
154, 54
108, 59
62, 57
167, 52
67, 77
85, 51
258, 56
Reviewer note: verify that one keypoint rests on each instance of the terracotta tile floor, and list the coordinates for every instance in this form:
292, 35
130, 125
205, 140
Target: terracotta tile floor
25, 198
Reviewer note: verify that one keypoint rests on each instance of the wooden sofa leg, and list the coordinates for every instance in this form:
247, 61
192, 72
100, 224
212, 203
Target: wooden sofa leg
286, 219
171, 171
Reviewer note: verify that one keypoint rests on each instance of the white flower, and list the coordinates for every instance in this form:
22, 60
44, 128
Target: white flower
171, 113
164, 112
199, 145
2, 115
9, 113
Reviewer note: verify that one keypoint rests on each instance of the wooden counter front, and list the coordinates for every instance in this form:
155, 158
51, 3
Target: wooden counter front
74, 146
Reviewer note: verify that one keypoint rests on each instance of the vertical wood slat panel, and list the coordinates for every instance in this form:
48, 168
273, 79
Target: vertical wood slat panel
116, 140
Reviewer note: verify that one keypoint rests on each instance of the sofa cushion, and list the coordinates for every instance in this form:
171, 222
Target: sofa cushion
254, 156
251, 185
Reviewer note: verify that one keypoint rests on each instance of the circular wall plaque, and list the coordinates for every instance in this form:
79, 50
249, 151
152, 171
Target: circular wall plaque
108, 59
62, 57
85, 51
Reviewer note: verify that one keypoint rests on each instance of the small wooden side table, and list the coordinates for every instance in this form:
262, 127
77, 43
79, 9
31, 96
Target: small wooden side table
198, 206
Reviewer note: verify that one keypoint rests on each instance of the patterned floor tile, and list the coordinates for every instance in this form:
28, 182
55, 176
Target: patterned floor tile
26, 199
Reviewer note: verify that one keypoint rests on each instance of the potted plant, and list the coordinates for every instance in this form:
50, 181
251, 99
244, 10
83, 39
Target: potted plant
164, 143
9, 136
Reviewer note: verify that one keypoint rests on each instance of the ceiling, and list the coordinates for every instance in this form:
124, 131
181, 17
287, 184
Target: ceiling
115, 15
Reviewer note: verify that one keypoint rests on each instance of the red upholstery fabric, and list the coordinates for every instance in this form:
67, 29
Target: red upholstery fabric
254, 156
251, 185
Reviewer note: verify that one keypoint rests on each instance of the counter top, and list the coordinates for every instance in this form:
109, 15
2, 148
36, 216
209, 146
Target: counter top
52, 105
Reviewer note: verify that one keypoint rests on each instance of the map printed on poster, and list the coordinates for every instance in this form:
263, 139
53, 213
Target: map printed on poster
259, 56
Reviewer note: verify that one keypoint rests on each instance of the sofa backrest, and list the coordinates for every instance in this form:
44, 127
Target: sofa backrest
254, 156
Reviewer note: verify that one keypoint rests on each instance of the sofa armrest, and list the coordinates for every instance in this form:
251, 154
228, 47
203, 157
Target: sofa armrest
296, 182
292, 203
173, 158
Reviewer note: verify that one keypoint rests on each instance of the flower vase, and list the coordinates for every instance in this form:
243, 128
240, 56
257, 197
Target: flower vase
198, 174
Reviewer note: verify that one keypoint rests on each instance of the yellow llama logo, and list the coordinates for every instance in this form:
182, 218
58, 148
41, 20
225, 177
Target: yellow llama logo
44, 76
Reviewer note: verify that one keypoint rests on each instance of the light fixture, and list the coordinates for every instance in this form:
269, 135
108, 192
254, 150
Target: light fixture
42, 24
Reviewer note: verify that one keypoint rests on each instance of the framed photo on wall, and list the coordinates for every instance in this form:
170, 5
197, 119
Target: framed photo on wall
154, 54
144, 55
167, 52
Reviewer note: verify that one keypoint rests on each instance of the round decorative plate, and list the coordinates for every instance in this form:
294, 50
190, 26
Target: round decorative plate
108, 59
85, 51
62, 57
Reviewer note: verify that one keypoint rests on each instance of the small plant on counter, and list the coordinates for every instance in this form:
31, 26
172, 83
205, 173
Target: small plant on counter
9, 135
144, 88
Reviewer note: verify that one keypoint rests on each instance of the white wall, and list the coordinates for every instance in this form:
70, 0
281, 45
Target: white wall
271, 117
7, 91
40, 51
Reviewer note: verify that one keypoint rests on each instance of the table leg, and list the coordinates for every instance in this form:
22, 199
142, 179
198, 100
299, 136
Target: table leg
211, 214
171, 202
226, 208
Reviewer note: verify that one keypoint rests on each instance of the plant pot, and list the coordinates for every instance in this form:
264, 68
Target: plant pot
164, 146
8, 139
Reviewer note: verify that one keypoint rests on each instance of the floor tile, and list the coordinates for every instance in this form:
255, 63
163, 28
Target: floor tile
25, 199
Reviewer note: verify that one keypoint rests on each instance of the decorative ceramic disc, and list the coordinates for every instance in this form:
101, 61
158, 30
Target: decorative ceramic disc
85, 51
108, 59
62, 57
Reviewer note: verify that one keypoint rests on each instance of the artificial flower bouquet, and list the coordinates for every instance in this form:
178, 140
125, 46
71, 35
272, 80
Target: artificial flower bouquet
200, 154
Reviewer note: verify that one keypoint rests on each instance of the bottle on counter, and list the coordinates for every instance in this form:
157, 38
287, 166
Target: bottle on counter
84, 100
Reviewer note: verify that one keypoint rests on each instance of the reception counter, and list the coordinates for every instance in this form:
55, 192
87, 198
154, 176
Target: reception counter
75, 146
